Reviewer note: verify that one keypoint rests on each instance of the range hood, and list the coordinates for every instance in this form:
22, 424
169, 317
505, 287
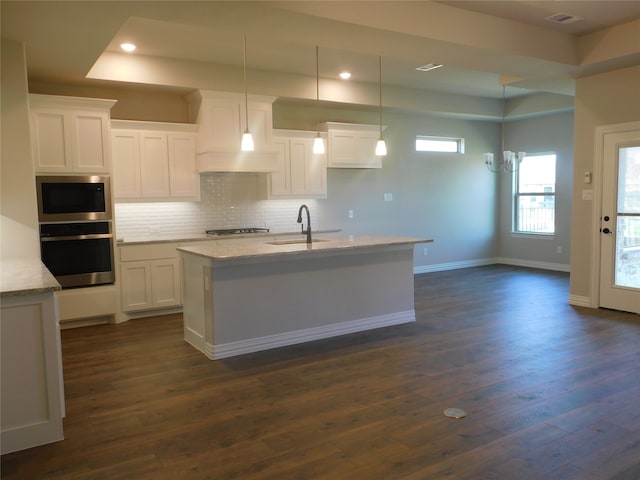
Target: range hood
237, 161
221, 117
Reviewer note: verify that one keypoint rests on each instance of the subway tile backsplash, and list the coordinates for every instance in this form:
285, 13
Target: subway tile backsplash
227, 201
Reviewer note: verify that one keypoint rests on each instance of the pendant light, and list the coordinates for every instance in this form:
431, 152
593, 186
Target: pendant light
318, 143
381, 147
510, 160
247, 139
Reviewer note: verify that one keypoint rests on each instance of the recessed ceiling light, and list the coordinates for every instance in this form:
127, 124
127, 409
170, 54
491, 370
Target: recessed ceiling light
428, 67
345, 75
127, 47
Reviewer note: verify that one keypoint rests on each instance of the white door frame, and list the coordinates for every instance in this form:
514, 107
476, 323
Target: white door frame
596, 236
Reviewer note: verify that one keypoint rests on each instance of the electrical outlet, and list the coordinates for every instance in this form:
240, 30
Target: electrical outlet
559, 249
350, 213
425, 252
388, 197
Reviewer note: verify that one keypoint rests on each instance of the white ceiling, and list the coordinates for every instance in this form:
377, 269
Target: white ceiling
480, 43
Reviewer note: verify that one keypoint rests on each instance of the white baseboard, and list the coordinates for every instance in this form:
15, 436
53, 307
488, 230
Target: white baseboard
580, 301
559, 267
231, 349
441, 267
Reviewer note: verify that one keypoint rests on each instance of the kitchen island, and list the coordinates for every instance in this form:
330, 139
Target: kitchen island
252, 294
32, 389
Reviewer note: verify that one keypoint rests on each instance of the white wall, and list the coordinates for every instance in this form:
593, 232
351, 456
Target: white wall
549, 133
603, 99
19, 236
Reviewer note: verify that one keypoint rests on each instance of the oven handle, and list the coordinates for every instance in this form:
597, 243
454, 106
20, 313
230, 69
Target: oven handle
77, 237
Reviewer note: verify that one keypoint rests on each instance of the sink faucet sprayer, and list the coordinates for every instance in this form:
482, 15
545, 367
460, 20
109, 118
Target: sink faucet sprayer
308, 231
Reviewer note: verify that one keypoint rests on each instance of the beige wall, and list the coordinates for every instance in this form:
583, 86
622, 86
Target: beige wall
133, 103
19, 221
604, 99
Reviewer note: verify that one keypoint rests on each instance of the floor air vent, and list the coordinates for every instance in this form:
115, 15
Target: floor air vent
563, 18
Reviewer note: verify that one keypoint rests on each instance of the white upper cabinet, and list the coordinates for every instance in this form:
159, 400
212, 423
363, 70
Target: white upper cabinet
154, 161
301, 173
154, 165
221, 117
353, 145
70, 134
126, 163
184, 180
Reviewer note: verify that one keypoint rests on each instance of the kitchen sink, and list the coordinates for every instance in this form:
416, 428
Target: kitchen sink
294, 241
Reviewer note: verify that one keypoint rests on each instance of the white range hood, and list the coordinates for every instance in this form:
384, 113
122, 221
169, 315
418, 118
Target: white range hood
221, 117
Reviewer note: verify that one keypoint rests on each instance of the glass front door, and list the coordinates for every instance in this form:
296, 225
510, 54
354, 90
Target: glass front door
620, 222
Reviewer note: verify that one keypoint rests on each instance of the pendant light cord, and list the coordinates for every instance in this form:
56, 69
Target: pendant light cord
380, 89
317, 93
503, 115
246, 95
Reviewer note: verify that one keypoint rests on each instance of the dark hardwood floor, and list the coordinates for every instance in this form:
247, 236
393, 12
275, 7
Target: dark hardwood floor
551, 392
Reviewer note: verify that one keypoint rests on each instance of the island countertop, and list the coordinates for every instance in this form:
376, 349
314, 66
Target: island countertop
255, 248
25, 277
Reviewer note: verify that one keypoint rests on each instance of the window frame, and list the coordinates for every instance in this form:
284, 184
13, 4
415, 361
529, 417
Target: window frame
518, 196
459, 141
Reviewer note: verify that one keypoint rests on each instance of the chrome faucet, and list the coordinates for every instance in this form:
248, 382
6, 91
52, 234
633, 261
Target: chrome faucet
308, 231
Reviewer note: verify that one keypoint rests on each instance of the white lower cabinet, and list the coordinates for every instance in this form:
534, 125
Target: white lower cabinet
32, 388
301, 173
150, 277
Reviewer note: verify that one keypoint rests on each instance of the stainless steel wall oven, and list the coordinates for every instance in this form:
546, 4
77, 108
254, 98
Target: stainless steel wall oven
76, 238
78, 254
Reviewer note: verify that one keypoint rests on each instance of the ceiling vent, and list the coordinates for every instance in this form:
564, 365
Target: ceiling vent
428, 67
563, 18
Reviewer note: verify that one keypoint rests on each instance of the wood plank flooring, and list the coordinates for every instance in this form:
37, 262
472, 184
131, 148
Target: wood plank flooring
551, 391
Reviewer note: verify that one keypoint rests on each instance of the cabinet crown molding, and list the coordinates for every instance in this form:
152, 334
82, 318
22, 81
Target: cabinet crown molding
60, 101
153, 126
356, 127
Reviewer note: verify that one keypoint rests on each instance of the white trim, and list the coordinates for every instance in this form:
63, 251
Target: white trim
231, 349
537, 236
580, 301
560, 267
194, 339
441, 267
596, 211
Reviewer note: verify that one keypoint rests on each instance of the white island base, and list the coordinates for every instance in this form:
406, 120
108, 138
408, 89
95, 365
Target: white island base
260, 299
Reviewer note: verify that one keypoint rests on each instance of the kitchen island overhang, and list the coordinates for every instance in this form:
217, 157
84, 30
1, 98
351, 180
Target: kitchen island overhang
247, 295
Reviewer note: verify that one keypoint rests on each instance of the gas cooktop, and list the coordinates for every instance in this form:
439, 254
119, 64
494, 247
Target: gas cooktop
236, 231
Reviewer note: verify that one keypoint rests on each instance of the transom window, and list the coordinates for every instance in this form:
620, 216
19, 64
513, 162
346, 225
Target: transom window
535, 194
439, 144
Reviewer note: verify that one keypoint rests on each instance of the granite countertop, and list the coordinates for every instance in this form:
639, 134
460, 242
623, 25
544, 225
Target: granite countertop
264, 247
203, 237
138, 240
25, 277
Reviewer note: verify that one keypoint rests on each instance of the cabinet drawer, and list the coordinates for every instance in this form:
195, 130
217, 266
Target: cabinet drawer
132, 253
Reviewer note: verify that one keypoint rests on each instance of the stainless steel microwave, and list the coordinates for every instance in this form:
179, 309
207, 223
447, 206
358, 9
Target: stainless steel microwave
70, 198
